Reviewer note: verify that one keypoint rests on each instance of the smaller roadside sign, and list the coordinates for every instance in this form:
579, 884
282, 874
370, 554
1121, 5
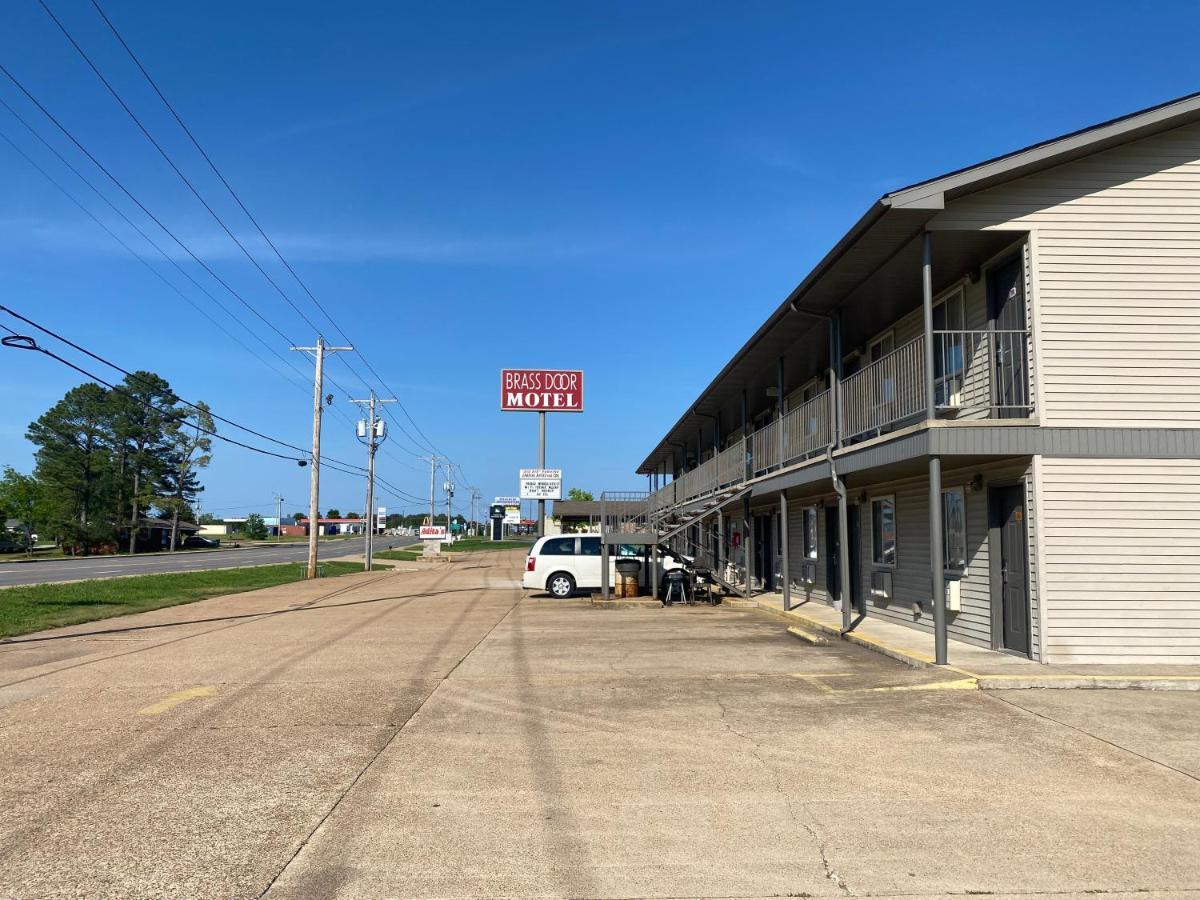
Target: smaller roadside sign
541, 484
507, 501
433, 532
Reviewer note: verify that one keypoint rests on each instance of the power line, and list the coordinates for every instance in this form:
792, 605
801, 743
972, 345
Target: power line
127, 373
24, 122
166, 156
28, 343
116, 181
233, 193
23, 342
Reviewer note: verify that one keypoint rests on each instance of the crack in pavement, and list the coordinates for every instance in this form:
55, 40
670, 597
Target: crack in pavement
820, 842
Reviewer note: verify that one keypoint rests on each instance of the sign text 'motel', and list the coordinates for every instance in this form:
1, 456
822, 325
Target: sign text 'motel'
541, 390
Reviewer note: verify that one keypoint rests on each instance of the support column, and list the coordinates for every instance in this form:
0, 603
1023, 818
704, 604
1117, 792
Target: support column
604, 579
751, 555
937, 576
720, 538
654, 571
847, 589
746, 545
937, 565
783, 537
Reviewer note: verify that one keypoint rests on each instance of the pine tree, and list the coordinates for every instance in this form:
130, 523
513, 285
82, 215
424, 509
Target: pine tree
75, 465
191, 449
145, 423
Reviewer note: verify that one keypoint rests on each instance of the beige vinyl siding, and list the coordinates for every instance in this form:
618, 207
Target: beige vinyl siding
1122, 560
910, 578
1118, 279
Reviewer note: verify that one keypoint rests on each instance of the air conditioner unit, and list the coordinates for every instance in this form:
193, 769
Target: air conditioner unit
881, 584
953, 595
952, 392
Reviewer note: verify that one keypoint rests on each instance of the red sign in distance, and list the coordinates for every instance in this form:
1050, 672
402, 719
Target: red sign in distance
541, 390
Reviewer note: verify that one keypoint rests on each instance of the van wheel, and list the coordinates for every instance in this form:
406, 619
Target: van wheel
561, 585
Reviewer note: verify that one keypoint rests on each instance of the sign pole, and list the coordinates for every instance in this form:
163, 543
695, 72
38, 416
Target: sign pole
541, 465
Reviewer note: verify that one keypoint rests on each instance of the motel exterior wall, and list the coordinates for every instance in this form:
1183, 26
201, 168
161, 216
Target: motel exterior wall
1111, 253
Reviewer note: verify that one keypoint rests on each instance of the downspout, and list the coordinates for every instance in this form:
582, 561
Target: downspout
835, 441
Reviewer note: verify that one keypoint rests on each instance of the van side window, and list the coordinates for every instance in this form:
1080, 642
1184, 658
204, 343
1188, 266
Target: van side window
559, 547
589, 546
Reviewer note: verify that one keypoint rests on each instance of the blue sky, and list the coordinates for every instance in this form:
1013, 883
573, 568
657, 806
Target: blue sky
625, 188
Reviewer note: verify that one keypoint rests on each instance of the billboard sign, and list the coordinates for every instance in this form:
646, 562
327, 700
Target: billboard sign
541, 390
541, 484
512, 515
433, 533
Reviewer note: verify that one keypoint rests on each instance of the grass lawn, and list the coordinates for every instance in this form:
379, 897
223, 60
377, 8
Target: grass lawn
38, 606
466, 545
402, 555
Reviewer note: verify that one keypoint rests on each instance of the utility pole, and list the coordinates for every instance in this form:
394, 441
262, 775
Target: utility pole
278, 517
314, 490
449, 488
432, 485
375, 432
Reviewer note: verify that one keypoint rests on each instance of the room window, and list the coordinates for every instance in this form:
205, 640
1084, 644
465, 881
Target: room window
954, 529
883, 531
950, 348
810, 533
882, 346
559, 547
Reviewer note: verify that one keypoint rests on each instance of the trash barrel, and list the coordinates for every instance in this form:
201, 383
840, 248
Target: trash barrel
627, 577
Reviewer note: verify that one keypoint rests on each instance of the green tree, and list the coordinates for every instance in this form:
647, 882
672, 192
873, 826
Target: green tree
22, 497
191, 449
297, 516
333, 514
145, 422
255, 528
353, 516
579, 494
74, 440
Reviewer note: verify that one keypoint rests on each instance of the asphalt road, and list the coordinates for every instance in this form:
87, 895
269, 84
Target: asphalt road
430, 733
48, 571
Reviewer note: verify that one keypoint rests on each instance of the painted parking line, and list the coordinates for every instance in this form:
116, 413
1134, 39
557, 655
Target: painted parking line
169, 703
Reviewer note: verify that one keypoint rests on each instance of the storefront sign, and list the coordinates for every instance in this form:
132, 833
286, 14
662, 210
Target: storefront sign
541, 484
541, 390
433, 532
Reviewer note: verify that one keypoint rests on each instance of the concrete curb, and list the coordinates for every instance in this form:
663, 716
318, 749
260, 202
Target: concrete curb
994, 682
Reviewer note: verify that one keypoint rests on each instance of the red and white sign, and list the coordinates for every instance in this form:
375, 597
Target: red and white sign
541, 390
433, 533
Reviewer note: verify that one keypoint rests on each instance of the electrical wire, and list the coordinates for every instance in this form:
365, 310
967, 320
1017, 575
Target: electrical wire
75, 171
128, 374
237, 199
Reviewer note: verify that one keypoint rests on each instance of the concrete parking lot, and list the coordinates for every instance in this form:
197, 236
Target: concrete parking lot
433, 734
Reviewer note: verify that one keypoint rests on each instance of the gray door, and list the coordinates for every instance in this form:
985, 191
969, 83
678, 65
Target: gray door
1010, 376
1008, 527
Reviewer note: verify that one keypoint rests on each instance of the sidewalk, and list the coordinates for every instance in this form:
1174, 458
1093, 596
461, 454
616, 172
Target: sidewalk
988, 669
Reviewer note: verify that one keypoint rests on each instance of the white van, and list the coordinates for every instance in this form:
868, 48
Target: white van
566, 563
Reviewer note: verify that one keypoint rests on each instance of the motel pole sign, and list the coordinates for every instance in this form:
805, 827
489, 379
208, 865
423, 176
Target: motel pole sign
541, 391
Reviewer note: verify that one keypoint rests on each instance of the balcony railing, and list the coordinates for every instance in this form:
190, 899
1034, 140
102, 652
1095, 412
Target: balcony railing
731, 465
977, 374
982, 374
806, 429
886, 392
764, 448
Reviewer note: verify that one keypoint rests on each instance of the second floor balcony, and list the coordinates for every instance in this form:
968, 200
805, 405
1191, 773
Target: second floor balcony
976, 375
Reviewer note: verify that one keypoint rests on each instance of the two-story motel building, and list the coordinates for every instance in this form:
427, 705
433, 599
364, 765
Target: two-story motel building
990, 384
